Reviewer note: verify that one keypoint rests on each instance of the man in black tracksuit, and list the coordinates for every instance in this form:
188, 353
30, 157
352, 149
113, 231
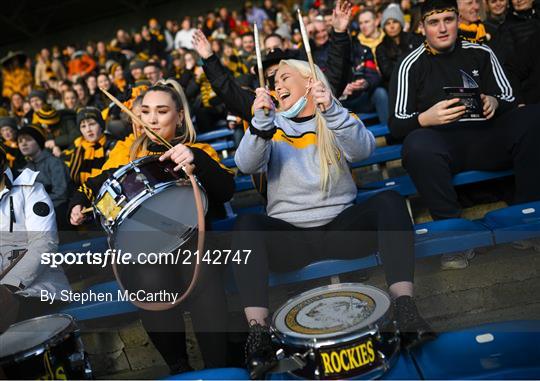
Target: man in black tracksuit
437, 144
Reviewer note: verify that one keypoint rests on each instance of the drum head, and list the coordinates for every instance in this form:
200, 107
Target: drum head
30, 333
161, 223
330, 311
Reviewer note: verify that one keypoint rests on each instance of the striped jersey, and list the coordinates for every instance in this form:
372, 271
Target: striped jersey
418, 81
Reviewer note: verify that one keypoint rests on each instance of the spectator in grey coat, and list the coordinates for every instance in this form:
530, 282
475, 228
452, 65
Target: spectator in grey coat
53, 173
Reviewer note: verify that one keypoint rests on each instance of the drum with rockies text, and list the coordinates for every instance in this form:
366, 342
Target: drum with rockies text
337, 331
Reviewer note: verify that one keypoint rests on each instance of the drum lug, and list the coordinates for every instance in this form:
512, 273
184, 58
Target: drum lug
76, 360
120, 200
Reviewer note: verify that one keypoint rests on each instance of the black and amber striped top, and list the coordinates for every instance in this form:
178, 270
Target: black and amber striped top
85, 159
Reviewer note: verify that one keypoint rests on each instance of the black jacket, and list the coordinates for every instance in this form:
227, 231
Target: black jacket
418, 82
239, 100
389, 53
526, 69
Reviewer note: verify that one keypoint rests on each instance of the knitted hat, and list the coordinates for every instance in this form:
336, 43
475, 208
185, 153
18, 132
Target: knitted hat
8, 121
90, 113
41, 94
46, 115
393, 12
430, 7
136, 64
36, 132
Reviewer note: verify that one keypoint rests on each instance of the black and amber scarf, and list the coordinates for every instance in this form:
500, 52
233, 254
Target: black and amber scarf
474, 32
85, 159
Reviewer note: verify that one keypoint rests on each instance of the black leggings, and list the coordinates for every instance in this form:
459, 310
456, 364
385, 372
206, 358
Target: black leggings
433, 155
207, 306
380, 223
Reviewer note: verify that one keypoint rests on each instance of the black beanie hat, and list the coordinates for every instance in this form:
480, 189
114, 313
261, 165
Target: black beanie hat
430, 7
90, 113
36, 132
41, 94
8, 121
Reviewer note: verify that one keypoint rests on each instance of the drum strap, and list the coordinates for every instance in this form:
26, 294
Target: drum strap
156, 306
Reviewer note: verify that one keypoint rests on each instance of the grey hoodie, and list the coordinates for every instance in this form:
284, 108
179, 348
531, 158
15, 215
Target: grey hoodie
291, 161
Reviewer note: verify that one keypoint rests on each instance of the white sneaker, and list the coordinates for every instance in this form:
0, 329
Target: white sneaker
457, 261
526, 244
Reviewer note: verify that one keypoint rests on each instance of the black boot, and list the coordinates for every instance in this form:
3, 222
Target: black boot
413, 329
260, 354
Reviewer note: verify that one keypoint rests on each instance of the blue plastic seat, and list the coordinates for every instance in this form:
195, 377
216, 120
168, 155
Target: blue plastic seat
379, 130
449, 236
322, 269
229, 162
470, 177
380, 155
497, 351
243, 183
216, 134
212, 374
368, 116
222, 145
514, 222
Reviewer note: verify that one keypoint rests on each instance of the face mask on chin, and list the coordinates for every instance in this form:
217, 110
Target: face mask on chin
296, 108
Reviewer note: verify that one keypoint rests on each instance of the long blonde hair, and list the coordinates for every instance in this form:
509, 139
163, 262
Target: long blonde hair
186, 132
329, 153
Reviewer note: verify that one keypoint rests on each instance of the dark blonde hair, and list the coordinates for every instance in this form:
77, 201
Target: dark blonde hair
186, 133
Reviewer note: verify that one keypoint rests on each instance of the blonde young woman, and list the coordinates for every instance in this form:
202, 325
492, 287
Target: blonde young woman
311, 203
163, 111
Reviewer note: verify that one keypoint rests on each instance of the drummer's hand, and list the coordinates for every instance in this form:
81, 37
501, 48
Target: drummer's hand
180, 154
263, 101
321, 95
76, 217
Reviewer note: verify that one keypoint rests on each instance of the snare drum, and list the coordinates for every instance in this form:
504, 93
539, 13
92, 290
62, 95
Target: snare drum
146, 206
337, 331
46, 348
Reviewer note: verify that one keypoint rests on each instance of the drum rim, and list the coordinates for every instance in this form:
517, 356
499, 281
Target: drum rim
42, 347
331, 339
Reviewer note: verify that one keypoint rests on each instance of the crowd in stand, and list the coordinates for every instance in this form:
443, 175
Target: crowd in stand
394, 59
46, 98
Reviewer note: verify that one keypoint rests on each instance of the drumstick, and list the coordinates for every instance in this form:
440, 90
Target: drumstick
87, 210
305, 39
136, 118
259, 60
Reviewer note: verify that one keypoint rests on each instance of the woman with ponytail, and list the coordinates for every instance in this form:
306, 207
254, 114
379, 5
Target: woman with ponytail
311, 207
165, 110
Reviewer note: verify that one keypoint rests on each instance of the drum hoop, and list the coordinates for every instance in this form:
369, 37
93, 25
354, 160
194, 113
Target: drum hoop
124, 169
38, 349
332, 339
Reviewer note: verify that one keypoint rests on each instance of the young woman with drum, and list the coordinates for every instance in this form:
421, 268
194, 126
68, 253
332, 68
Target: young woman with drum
311, 207
163, 111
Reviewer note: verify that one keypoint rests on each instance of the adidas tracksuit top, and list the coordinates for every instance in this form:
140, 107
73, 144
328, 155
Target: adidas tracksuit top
417, 82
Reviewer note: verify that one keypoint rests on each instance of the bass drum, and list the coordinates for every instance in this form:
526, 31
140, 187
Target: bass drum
337, 332
45, 348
